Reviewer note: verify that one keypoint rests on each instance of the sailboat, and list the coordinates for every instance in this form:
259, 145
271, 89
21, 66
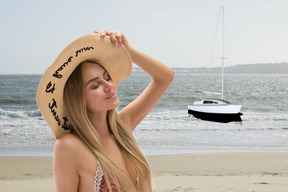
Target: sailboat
217, 110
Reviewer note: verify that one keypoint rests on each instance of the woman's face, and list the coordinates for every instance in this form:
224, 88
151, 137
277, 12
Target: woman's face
100, 91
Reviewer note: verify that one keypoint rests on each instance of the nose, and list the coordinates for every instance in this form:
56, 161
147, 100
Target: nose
107, 87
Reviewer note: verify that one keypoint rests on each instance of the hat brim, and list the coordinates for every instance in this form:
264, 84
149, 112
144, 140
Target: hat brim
91, 47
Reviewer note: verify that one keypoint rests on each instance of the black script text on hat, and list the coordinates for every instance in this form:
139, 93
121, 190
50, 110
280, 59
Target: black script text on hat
56, 74
49, 89
53, 107
83, 49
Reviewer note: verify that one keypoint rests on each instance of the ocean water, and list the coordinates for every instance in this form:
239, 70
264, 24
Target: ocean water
168, 129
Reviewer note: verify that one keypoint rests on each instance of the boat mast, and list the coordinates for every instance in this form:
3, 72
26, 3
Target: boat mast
223, 41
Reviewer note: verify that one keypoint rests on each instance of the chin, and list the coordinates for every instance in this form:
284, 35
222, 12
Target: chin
115, 105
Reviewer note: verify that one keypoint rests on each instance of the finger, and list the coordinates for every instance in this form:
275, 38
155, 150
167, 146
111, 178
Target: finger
103, 32
113, 38
119, 37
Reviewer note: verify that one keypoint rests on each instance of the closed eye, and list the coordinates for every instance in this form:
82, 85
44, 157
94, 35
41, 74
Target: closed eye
96, 80
95, 86
106, 76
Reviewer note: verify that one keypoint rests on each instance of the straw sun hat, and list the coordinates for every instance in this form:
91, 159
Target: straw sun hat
91, 47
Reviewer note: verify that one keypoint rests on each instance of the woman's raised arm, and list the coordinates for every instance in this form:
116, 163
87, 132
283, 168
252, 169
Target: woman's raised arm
161, 75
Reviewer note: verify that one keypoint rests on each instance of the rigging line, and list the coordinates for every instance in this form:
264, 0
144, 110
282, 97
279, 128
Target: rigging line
225, 45
210, 52
225, 57
225, 41
223, 50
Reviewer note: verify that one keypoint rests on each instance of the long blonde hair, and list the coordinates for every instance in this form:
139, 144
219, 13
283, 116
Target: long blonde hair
137, 165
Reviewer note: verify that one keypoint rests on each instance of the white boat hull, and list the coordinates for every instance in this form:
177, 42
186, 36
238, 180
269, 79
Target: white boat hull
216, 108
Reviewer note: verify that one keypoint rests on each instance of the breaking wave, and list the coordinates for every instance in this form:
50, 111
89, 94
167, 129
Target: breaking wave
20, 114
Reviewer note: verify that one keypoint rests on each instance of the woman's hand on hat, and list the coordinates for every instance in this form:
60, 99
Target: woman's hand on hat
117, 37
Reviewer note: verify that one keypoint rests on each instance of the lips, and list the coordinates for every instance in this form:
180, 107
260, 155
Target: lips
111, 95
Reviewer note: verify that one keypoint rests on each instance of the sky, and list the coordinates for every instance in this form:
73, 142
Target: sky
176, 32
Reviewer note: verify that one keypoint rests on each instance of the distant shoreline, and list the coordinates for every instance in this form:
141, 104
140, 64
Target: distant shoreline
277, 68
261, 68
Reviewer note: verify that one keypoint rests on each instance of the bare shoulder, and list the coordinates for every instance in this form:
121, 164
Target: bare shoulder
69, 146
67, 142
66, 162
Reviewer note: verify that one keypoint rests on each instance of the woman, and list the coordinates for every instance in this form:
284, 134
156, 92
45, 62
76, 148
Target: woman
95, 149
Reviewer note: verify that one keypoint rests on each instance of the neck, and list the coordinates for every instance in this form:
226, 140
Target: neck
99, 122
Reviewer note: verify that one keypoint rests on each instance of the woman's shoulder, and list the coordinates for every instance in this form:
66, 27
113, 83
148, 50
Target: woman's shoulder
71, 151
68, 144
67, 140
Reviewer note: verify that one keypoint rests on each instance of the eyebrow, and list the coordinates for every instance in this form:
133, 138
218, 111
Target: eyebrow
95, 78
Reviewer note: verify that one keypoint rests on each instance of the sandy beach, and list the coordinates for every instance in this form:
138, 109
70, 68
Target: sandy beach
220, 172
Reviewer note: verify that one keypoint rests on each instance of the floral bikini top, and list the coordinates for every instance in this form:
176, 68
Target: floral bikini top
100, 184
